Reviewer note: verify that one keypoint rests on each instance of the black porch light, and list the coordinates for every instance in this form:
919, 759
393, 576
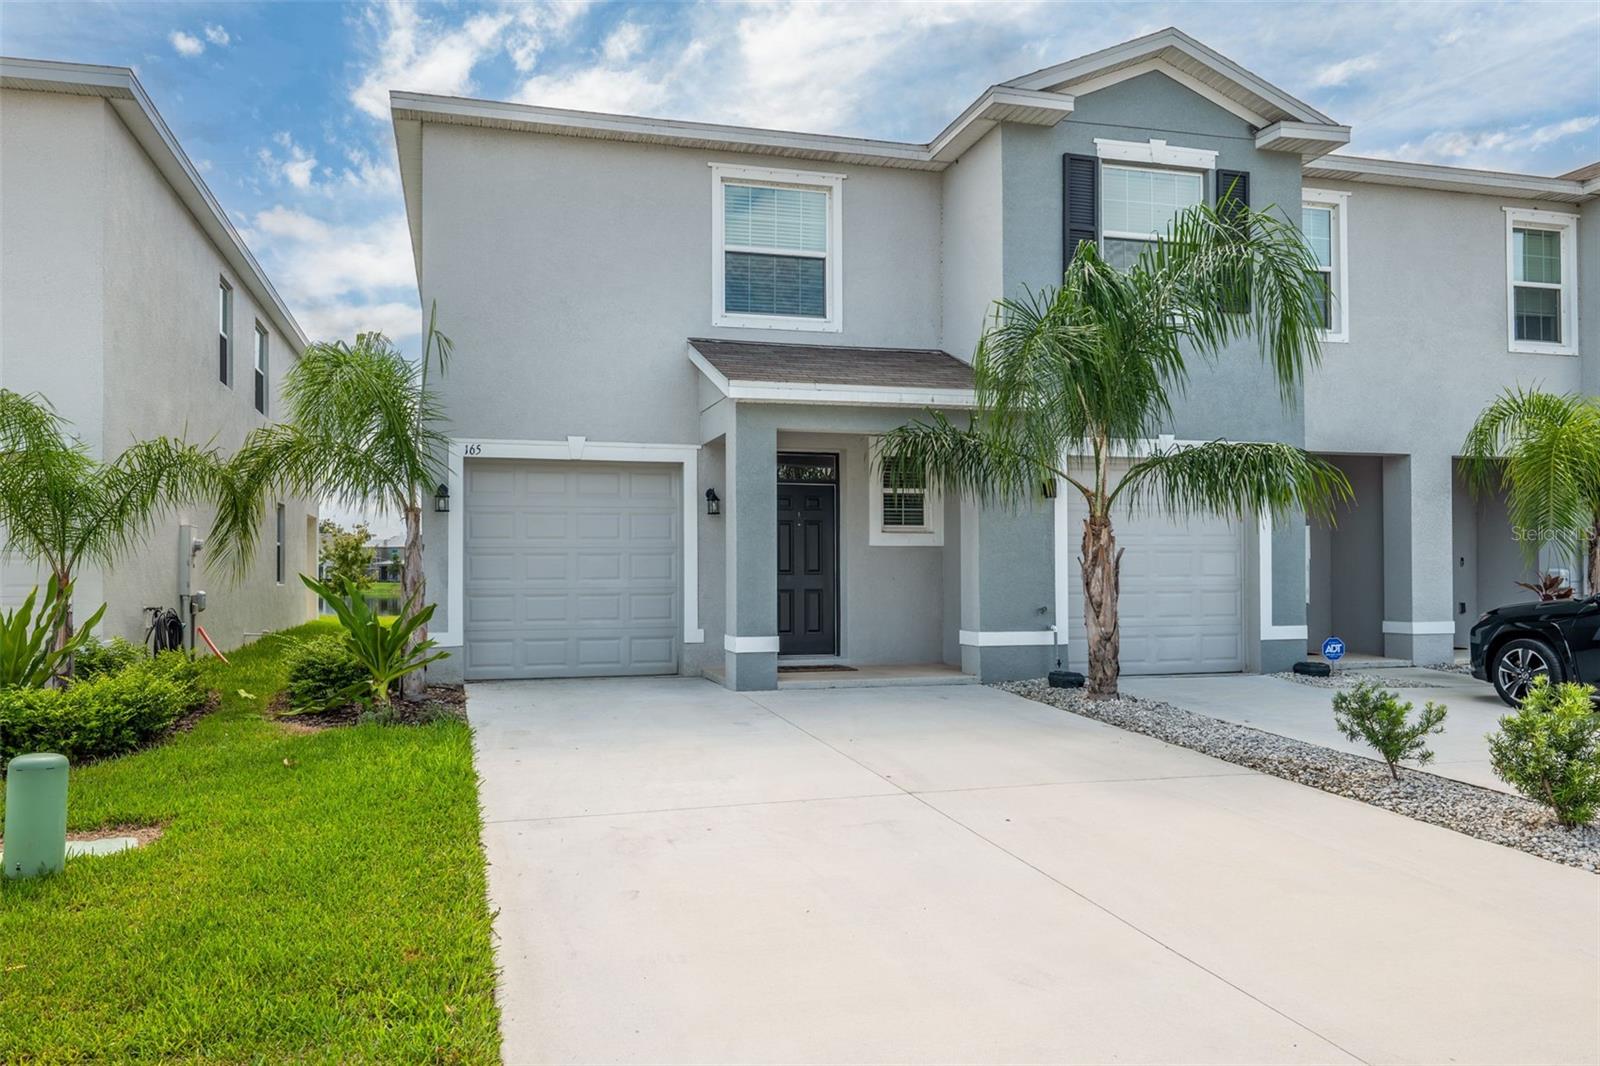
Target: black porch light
713, 504
441, 498
1049, 488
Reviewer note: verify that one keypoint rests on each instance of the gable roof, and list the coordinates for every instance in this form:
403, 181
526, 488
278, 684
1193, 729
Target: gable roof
121, 89
833, 374
1189, 62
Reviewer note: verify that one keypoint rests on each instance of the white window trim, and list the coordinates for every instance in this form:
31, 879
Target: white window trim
1156, 153
1567, 225
832, 185
685, 456
1340, 202
260, 363
225, 300
929, 536
1130, 235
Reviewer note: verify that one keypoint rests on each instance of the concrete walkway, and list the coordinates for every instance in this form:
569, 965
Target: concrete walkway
1305, 712
685, 874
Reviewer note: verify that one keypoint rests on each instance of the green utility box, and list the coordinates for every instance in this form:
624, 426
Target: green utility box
36, 815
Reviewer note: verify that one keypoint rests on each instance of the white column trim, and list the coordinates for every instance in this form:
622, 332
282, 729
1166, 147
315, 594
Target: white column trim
746, 645
1013, 638
1420, 628
686, 456
1269, 631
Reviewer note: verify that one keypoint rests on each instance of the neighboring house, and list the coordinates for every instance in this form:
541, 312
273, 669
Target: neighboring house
654, 320
128, 300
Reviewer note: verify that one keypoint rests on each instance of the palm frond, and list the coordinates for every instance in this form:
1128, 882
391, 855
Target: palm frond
1236, 480
963, 461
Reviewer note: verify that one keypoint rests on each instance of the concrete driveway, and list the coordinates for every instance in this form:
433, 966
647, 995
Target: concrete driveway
1305, 712
686, 874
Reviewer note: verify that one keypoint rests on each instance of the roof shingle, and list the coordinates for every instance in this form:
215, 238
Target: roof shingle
819, 364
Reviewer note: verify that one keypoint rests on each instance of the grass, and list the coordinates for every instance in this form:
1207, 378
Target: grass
316, 897
382, 590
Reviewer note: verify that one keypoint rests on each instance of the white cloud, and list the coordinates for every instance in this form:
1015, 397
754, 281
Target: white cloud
623, 43
396, 319
297, 166
217, 36
418, 54
1484, 146
1338, 73
186, 45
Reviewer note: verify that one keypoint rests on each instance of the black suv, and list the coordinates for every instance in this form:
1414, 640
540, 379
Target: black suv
1513, 645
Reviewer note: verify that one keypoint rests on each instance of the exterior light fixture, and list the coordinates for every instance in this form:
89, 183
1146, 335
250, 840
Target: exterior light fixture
1049, 487
441, 498
713, 504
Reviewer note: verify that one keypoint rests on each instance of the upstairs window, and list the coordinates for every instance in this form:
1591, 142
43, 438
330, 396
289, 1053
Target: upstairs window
776, 238
224, 333
1138, 204
1541, 262
261, 369
278, 551
1322, 223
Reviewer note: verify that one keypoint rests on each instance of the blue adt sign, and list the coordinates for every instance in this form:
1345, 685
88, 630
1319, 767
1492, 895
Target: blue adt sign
1333, 649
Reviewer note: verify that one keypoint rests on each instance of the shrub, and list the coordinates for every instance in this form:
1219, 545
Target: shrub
381, 649
102, 716
322, 674
1549, 750
114, 656
1382, 720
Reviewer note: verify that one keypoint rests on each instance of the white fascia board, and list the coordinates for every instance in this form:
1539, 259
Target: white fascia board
1309, 140
1012, 638
1454, 179
1420, 629
998, 104
121, 89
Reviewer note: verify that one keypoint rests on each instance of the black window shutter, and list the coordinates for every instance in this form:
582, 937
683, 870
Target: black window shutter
1233, 199
1080, 203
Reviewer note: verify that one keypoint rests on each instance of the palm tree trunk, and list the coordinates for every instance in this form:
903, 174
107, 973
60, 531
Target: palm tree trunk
1594, 558
1102, 578
64, 629
411, 585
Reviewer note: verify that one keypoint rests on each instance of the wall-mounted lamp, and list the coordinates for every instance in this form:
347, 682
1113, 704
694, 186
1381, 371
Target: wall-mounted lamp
441, 498
713, 504
1049, 488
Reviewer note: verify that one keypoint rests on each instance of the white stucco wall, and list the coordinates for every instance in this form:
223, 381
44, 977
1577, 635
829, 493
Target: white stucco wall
117, 282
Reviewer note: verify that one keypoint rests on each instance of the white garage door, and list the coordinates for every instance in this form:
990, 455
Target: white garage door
572, 569
1182, 603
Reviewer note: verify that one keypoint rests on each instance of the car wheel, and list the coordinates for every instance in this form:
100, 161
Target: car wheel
1518, 663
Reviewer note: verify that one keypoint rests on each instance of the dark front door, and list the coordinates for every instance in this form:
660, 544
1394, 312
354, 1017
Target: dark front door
808, 555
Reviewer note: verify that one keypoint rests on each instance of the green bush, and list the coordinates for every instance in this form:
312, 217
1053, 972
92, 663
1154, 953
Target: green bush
383, 649
1549, 750
114, 656
102, 716
1382, 719
323, 673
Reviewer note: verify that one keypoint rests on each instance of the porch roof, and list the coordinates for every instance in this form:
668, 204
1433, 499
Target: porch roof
819, 373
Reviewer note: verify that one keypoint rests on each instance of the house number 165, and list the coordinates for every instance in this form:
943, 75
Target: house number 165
472, 449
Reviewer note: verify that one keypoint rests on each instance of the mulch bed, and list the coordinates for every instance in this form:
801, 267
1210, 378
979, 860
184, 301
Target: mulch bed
438, 701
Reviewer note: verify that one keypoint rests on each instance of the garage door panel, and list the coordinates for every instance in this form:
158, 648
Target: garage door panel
1182, 599
571, 569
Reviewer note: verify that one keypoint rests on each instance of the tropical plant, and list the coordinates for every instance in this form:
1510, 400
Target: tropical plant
63, 508
363, 428
1088, 371
1543, 450
1383, 720
1549, 750
1549, 588
345, 555
386, 652
30, 656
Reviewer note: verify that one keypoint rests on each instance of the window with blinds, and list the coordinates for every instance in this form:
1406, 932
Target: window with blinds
1137, 204
905, 497
777, 250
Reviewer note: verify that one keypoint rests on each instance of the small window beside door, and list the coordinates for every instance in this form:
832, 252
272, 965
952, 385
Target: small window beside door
903, 509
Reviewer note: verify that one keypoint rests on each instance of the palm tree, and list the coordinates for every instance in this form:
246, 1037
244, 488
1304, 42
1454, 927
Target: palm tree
1072, 378
1543, 449
62, 508
364, 429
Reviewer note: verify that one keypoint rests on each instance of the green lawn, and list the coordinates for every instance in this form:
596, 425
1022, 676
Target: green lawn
382, 590
315, 897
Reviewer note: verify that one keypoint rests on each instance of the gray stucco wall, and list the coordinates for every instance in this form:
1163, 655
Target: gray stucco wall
971, 244
1347, 569
1589, 297
109, 290
569, 272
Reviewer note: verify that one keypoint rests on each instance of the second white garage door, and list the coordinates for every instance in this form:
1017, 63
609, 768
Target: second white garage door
1182, 603
572, 569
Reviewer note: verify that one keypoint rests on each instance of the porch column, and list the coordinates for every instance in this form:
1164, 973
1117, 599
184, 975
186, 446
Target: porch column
1008, 591
1280, 582
1418, 623
750, 511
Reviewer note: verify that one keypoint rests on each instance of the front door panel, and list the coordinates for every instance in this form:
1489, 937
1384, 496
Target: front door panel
808, 570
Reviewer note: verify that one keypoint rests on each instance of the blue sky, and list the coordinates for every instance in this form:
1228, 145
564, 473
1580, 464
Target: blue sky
283, 106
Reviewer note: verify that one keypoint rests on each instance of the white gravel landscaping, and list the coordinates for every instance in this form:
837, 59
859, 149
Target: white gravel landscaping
1351, 679
1479, 812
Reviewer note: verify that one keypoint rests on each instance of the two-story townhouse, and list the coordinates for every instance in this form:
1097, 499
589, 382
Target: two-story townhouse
675, 342
129, 301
